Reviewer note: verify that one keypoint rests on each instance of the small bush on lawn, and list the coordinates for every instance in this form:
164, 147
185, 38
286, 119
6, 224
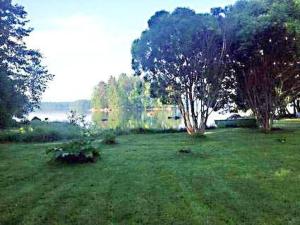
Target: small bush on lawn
109, 137
75, 152
185, 150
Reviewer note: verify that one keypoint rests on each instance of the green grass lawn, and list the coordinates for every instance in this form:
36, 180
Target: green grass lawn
233, 176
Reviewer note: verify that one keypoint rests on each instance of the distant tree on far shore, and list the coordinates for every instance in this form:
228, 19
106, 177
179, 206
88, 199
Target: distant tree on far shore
127, 92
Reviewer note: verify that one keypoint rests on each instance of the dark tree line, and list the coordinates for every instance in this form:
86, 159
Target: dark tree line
244, 56
23, 78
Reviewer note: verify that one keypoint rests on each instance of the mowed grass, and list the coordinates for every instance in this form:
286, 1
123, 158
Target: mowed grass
233, 176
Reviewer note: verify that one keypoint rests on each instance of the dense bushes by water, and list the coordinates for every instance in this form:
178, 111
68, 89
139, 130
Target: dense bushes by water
41, 132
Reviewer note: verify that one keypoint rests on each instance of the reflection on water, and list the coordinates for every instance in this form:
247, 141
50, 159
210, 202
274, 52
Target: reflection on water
53, 116
120, 118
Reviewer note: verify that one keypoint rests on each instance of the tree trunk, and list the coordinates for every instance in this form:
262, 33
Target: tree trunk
202, 127
298, 105
267, 124
191, 127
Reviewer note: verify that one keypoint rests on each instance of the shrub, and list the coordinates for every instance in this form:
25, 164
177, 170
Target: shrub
96, 132
109, 138
245, 123
185, 150
77, 119
10, 136
40, 135
42, 132
75, 152
154, 131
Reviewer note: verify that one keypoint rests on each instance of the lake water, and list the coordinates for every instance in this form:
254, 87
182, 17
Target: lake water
156, 119
60, 116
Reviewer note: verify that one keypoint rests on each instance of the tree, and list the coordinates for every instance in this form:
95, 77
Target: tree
266, 56
125, 87
99, 97
183, 55
114, 100
10, 100
123, 92
23, 77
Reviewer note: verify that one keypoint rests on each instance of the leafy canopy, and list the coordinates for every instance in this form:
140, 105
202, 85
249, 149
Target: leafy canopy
183, 56
22, 75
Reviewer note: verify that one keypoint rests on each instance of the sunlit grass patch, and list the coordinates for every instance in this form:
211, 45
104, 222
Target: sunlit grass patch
233, 176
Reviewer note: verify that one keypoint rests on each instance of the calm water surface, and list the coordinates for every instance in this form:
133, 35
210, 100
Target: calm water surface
156, 119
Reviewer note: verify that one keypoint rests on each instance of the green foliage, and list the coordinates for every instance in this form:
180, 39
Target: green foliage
183, 56
246, 123
41, 132
77, 119
11, 101
109, 137
75, 152
265, 53
100, 96
23, 78
113, 96
94, 132
125, 92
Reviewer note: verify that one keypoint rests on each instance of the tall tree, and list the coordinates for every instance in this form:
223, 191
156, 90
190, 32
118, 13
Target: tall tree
183, 55
126, 92
125, 87
114, 100
99, 97
21, 69
266, 56
11, 101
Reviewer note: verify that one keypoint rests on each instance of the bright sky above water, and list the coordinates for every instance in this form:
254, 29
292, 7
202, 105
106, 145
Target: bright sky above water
84, 42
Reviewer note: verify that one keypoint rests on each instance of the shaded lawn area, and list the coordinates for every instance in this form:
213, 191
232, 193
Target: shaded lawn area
233, 176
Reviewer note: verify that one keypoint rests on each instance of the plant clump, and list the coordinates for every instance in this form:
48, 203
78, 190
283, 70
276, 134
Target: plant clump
75, 152
109, 138
185, 150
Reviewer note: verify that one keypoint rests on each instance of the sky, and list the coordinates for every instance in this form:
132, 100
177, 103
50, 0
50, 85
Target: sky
86, 41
